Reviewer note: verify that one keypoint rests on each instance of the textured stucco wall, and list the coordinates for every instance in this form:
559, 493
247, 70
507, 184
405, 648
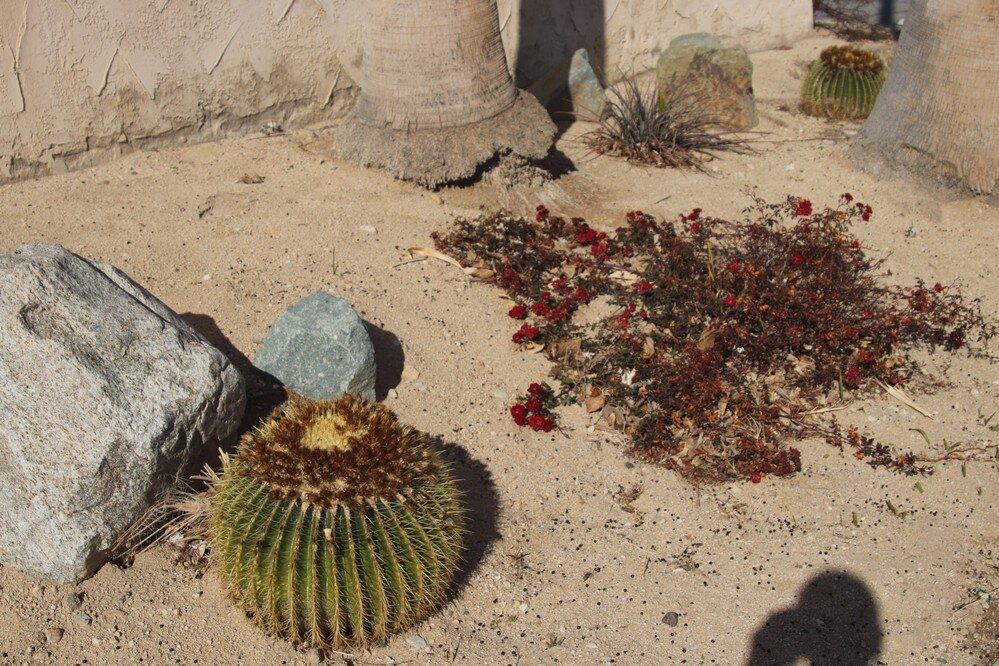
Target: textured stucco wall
82, 80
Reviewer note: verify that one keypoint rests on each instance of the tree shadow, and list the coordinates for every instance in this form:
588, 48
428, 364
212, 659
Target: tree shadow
836, 621
552, 30
481, 502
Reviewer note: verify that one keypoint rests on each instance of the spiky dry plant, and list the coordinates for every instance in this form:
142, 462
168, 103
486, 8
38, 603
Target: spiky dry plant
334, 525
843, 82
673, 126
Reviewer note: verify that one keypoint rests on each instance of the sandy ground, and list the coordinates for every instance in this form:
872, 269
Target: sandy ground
563, 566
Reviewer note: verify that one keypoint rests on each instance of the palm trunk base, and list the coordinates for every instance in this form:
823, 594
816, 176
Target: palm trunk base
436, 157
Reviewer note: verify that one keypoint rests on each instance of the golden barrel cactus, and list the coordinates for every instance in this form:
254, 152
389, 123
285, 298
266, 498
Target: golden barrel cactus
335, 525
843, 82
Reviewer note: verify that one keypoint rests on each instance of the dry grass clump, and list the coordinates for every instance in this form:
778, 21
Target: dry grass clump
669, 127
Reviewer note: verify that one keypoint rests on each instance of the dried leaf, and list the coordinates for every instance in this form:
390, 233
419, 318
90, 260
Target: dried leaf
624, 277
722, 406
900, 395
648, 348
593, 400
566, 348
431, 253
613, 417
707, 340
482, 273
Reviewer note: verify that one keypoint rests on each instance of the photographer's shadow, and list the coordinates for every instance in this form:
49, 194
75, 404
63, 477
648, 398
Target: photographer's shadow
836, 621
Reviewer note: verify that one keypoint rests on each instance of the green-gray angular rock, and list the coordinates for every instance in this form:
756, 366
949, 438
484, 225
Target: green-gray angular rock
320, 348
722, 76
576, 81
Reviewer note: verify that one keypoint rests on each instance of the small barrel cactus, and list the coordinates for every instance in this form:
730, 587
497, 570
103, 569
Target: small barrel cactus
334, 525
843, 83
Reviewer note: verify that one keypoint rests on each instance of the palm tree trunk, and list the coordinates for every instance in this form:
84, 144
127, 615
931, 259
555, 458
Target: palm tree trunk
437, 100
939, 109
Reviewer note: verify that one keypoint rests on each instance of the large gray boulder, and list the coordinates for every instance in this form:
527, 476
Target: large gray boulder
106, 396
320, 348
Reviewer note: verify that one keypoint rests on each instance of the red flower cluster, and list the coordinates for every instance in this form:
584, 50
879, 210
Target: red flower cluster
624, 319
510, 279
549, 307
586, 236
534, 409
639, 220
865, 211
600, 249
541, 213
643, 286
526, 333
804, 208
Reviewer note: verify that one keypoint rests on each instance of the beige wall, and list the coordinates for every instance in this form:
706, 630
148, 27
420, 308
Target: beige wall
82, 80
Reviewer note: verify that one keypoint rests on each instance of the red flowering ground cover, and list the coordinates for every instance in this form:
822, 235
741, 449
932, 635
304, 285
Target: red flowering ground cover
728, 335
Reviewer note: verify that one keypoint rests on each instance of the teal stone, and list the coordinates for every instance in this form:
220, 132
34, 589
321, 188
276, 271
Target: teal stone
320, 348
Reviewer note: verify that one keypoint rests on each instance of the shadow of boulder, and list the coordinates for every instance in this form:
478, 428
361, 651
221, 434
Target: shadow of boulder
264, 392
390, 358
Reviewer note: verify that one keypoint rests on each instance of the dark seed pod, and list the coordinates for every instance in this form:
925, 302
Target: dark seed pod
843, 82
335, 525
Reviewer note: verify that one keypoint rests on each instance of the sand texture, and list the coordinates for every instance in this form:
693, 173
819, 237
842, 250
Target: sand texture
577, 554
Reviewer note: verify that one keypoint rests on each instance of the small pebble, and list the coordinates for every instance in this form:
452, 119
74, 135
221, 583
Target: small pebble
53, 635
392, 393
671, 619
73, 600
83, 618
367, 228
417, 641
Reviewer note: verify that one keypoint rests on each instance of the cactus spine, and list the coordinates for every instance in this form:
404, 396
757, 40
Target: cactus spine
843, 82
334, 525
